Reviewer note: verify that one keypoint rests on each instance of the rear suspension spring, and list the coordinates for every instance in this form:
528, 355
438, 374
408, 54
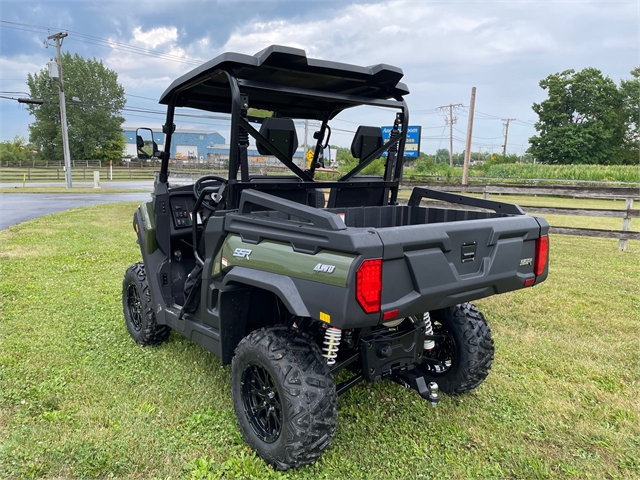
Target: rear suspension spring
331, 341
428, 330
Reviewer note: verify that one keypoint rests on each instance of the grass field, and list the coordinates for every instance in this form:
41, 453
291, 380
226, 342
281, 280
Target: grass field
78, 398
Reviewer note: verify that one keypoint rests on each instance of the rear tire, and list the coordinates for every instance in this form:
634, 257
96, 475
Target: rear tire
284, 396
466, 353
139, 315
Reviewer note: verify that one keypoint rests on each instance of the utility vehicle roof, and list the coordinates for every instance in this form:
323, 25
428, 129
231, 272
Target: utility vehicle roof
270, 79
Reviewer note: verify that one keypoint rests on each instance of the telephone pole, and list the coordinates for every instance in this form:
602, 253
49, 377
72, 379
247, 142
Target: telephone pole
506, 133
467, 150
450, 120
57, 77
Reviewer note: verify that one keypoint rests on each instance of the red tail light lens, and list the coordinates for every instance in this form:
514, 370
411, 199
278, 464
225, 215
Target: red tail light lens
369, 285
542, 255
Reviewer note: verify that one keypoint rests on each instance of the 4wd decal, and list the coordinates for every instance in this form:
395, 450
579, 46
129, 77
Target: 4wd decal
242, 253
322, 268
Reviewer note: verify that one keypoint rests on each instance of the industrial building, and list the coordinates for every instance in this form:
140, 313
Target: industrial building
193, 145
202, 147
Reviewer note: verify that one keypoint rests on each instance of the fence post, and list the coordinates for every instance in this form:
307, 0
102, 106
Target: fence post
626, 224
29, 173
485, 193
84, 173
57, 174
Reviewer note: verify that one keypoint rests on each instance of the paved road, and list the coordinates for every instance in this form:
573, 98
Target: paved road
137, 185
19, 207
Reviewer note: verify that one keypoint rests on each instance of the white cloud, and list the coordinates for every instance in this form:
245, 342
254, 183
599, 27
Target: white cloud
400, 33
156, 36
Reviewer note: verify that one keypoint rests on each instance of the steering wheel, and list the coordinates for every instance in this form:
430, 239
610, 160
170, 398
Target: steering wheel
202, 182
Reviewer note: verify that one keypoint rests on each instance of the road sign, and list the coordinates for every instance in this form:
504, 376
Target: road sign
412, 146
309, 156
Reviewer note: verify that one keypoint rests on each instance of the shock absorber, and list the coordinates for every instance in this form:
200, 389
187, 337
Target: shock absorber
331, 341
428, 330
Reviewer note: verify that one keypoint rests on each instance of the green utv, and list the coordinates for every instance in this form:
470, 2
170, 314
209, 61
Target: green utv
290, 288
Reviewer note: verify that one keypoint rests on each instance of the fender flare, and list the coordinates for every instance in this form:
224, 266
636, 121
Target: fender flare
282, 286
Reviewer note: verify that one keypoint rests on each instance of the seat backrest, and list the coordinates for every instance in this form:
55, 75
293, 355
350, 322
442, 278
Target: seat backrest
314, 197
282, 133
366, 141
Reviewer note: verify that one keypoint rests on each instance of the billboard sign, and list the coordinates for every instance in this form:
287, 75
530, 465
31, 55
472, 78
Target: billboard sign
412, 146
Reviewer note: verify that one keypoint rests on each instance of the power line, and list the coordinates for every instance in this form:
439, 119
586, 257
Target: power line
108, 43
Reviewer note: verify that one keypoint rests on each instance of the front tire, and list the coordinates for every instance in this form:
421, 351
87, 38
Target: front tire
139, 315
284, 396
463, 354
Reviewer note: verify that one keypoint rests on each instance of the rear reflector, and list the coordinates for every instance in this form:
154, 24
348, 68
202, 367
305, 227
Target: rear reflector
542, 255
389, 315
369, 285
529, 281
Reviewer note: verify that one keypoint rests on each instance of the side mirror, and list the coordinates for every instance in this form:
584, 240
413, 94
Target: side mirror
147, 147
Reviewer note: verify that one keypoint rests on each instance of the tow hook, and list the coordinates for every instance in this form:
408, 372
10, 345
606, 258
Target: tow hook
434, 396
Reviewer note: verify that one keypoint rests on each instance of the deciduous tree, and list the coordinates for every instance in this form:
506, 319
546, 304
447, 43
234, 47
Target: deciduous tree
94, 100
581, 121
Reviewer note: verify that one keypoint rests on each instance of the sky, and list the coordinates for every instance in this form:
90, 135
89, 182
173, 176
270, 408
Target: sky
503, 48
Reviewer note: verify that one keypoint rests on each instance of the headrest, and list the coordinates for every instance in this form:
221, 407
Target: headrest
282, 133
366, 141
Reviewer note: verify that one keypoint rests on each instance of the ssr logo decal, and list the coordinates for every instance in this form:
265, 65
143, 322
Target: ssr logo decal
526, 261
322, 268
242, 253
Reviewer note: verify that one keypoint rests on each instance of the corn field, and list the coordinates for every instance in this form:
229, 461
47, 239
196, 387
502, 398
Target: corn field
601, 173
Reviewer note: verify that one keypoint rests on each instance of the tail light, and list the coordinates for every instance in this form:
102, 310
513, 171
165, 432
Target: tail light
542, 255
369, 285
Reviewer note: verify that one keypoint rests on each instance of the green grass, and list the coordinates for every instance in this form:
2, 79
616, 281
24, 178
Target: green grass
78, 398
104, 189
598, 173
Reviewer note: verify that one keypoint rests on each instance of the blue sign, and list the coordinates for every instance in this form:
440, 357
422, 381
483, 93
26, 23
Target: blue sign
412, 145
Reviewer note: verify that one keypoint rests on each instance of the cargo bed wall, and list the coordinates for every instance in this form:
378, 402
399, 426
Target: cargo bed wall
395, 215
404, 215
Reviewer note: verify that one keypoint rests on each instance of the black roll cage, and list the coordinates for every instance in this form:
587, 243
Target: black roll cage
241, 128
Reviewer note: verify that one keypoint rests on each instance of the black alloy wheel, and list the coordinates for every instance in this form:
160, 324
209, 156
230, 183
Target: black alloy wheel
139, 315
463, 354
261, 403
284, 396
135, 307
444, 352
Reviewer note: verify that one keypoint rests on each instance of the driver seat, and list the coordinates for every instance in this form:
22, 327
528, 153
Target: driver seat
282, 133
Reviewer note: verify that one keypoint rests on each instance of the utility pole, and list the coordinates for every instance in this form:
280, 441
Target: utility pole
467, 152
63, 107
450, 121
306, 133
506, 133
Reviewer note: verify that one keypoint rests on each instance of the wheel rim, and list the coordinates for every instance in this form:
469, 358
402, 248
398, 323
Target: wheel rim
443, 353
261, 403
134, 304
